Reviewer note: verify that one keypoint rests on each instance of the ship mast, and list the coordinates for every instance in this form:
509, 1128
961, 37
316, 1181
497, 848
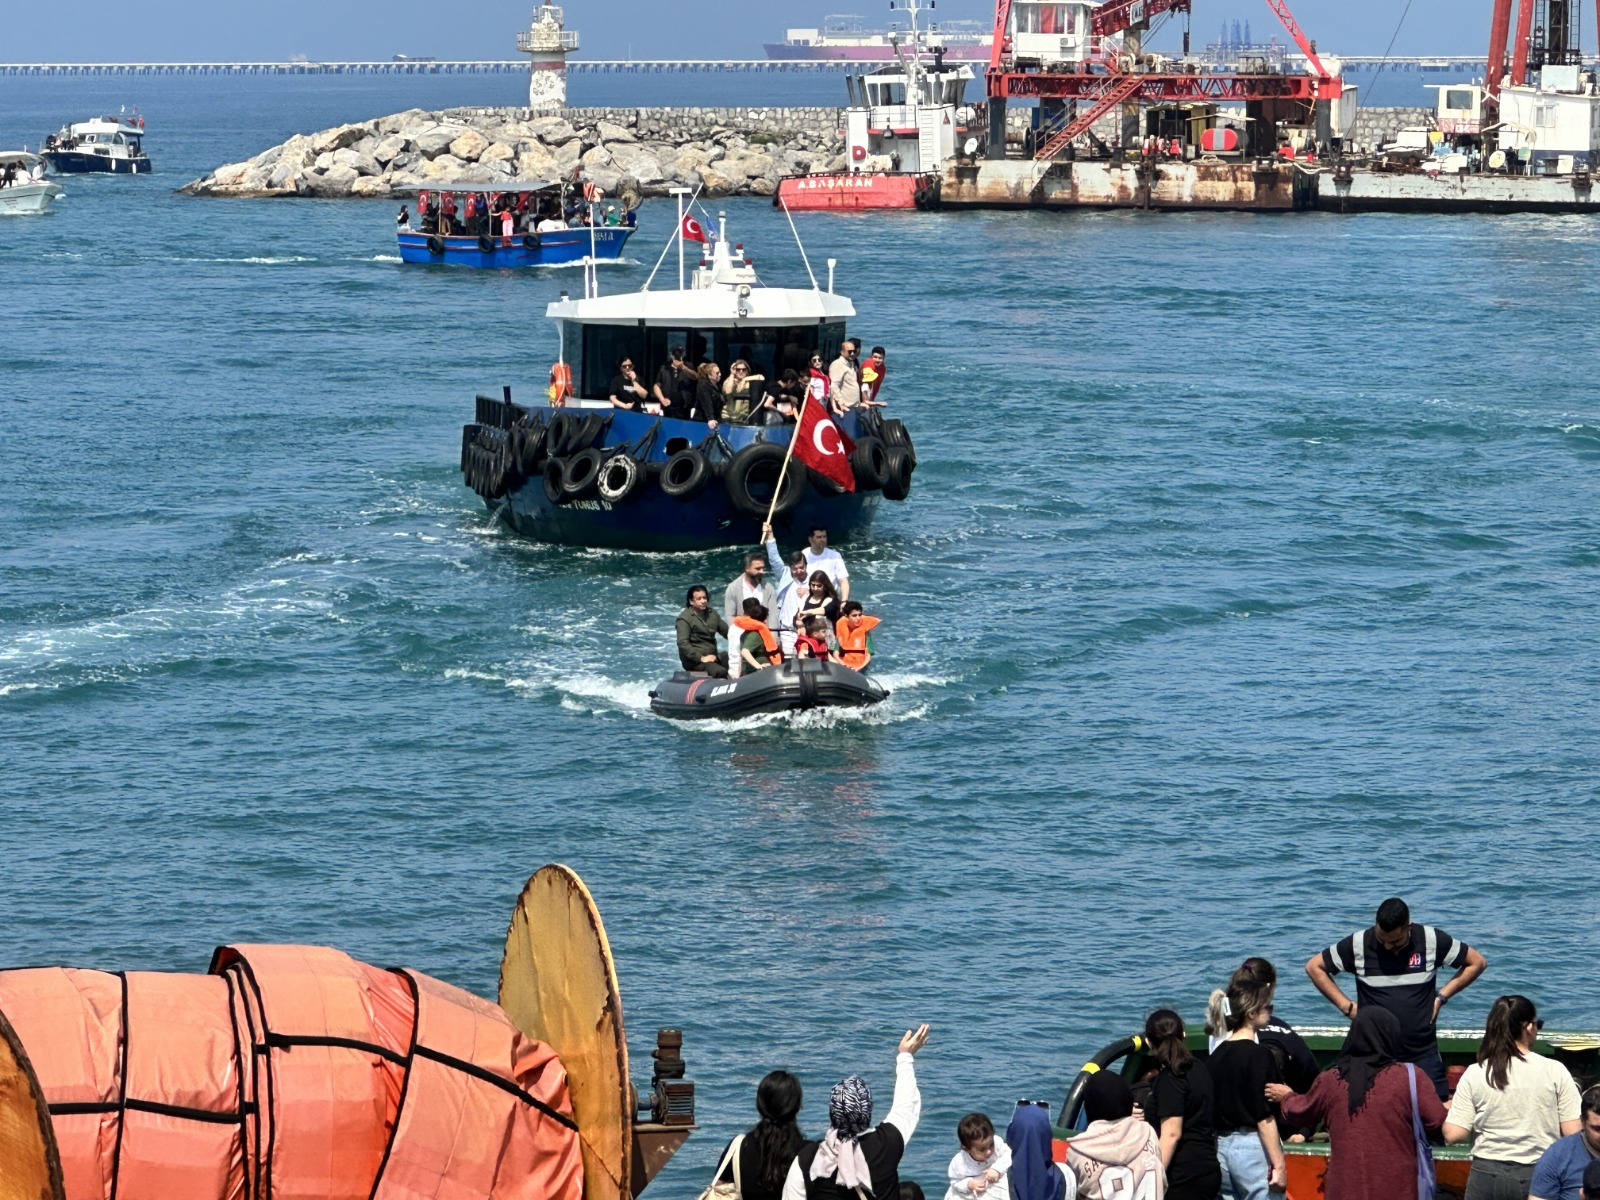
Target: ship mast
912, 66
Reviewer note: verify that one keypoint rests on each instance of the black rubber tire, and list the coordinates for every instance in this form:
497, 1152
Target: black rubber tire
686, 474
499, 477
564, 428
622, 477
485, 243
894, 433
534, 441
761, 462
436, 245
554, 469
469, 467
899, 465
580, 478
530, 241
870, 462
589, 432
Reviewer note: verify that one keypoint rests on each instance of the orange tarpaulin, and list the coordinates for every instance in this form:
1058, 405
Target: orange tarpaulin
290, 1072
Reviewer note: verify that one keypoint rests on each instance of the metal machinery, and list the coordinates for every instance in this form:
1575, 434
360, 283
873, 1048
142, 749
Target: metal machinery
1547, 35
1062, 53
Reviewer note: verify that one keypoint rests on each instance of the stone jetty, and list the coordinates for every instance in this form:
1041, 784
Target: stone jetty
723, 151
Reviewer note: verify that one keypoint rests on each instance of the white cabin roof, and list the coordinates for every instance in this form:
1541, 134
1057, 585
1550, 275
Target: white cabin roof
105, 125
724, 293
9, 157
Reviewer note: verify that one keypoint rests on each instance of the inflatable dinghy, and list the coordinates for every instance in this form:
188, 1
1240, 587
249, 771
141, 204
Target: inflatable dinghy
800, 683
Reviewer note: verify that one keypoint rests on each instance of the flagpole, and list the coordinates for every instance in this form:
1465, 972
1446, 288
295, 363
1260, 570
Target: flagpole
784, 473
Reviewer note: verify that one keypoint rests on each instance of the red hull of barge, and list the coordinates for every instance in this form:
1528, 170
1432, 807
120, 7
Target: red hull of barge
844, 192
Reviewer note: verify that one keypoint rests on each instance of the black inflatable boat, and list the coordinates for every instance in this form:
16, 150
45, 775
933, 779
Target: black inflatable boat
800, 683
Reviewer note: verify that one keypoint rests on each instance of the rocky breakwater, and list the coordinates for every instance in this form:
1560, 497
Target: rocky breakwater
724, 152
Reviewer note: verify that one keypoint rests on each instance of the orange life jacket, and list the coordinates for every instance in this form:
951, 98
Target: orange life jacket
560, 384
853, 642
769, 640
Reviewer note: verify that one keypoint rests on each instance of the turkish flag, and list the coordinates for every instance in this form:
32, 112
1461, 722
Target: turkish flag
823, 446
693, 231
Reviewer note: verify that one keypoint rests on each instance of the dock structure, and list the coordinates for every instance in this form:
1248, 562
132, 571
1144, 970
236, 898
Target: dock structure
1451, 66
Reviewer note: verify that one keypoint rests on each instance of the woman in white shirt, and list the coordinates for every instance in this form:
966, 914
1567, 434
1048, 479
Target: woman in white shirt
1512, 1102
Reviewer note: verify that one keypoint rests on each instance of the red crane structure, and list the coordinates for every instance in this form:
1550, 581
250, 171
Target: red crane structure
1546, 33
1103, 86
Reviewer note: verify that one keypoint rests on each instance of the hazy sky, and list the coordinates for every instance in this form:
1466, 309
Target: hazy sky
190, 30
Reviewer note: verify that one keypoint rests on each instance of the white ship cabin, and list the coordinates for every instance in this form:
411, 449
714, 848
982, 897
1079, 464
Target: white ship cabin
103, 135
1553, 128
1459, 110
914, 120
724, 314
1046, 33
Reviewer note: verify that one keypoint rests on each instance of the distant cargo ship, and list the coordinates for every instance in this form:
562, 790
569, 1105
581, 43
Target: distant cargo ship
846, 38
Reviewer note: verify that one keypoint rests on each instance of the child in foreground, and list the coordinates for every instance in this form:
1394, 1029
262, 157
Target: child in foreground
979, 1167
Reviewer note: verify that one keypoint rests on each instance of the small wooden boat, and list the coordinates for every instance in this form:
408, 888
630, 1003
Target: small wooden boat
298, 1071
793, 686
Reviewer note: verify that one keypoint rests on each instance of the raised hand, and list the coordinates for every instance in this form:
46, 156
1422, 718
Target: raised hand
914, 1040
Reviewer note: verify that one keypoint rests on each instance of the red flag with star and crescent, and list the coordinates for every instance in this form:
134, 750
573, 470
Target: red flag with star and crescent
823, 446
693, 231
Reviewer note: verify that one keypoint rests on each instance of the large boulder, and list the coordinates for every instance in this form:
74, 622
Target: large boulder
608, 132
594, 158
398, 122
285, 174
337, 139
536, 161
370, 188
745, 164
643, 166
498, 152
337, 181
552, 131
434, 140
386, 150
230, 176
469, 146
442, 169
566, 156
362, 164
714, 183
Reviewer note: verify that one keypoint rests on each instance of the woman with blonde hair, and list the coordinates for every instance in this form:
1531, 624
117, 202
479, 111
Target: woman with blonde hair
1249, 1153
1512, 1102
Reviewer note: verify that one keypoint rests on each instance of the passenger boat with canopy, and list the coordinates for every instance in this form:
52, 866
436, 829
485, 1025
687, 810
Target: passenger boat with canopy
580, 471
1307, 1161
113, 145
518, 223
298, 1071
23, 188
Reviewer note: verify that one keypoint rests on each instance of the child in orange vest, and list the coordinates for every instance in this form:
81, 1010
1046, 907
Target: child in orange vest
758, 645
854, 631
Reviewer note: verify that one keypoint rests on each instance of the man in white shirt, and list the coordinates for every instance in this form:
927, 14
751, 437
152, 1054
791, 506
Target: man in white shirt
844, 378
551, 225
790, 586
752, 583
829, 562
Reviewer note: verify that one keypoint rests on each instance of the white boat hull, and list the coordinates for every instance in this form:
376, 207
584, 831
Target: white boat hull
28, 197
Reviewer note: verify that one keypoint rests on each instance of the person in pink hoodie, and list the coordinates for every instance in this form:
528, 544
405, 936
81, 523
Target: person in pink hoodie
1118, 1157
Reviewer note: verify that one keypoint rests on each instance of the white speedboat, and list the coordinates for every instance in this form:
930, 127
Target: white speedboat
23, 187
109, 144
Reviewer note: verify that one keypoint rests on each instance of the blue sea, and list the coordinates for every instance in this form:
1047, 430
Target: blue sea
1251, 575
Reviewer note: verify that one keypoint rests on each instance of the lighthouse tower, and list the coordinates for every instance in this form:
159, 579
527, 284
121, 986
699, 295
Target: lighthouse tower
548, 44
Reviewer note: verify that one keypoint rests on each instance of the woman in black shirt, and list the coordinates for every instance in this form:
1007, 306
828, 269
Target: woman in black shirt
767, 1150
1249, 1154
708, 395
1181, 1110
626, 390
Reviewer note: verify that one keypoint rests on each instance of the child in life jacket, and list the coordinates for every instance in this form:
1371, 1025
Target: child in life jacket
854, 631
758, 645
811, 640
979, 1167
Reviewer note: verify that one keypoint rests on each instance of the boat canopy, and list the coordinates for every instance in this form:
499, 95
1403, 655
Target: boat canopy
15, 157
499, 185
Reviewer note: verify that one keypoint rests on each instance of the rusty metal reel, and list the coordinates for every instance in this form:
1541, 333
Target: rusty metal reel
558, 984
30, 1164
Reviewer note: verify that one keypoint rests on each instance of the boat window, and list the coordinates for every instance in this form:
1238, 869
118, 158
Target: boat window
1458, 99
1045, 18
603, 347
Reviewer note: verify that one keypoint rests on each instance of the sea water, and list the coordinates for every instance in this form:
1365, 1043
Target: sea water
1249, 577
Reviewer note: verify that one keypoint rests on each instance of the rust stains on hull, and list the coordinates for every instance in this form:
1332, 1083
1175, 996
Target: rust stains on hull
1165, 186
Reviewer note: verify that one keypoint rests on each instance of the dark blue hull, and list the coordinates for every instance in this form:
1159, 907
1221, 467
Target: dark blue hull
651, 519
78, 162
552, 249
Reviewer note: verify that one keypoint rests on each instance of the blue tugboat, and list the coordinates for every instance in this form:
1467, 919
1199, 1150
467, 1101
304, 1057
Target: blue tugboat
114, 145
581, 471
521, 223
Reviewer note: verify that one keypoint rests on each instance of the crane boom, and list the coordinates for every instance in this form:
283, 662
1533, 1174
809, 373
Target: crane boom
1282, 9
1118, 15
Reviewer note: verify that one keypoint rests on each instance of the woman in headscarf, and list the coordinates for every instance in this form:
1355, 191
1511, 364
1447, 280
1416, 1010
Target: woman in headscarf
1118, 1152
1034, 1174
854, 1160
767, 1151
1365, 1100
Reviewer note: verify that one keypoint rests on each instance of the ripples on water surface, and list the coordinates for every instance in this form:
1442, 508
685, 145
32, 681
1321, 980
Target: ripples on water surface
1249, 577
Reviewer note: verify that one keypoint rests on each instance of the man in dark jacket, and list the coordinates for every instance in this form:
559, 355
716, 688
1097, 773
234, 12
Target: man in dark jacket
698, 627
